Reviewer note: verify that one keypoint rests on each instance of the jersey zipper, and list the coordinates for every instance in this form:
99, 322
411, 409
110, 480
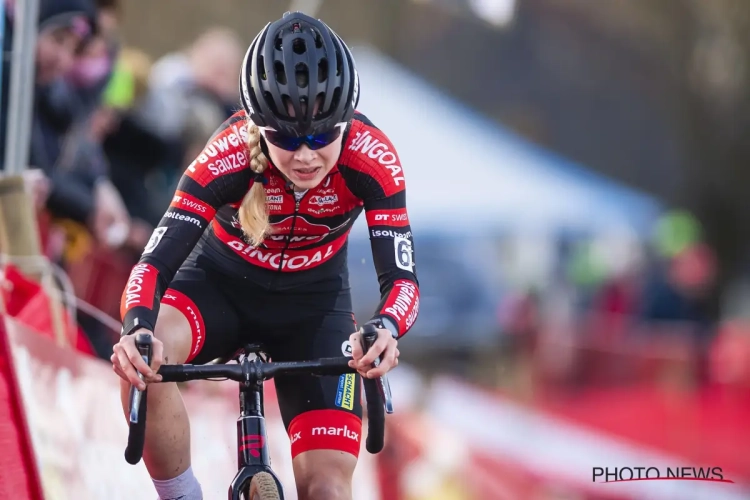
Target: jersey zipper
291, 230
297, 203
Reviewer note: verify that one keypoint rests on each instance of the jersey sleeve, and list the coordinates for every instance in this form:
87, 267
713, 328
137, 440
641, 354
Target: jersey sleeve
219, 176
380, 182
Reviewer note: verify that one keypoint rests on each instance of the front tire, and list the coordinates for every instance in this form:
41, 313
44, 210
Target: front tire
263, 487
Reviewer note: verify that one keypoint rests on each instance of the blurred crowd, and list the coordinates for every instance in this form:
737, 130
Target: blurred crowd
111, 132
627, 311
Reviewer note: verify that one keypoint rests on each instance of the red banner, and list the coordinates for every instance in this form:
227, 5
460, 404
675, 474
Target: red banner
27, 302
18, 473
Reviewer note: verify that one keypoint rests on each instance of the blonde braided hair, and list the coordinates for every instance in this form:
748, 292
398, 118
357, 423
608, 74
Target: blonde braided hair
253, 212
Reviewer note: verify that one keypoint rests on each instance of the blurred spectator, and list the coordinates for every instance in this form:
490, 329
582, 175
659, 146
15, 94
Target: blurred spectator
617, 302
80, 192
73, 126
79, 93
680, 299
208, 65
94, 65
170, 111
682, 293
125, 118
520, 320
196, 89
63, 26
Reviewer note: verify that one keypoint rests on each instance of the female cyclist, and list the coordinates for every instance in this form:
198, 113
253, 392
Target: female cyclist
278, 188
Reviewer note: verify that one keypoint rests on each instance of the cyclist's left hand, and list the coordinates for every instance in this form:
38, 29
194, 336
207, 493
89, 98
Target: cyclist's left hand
385, 347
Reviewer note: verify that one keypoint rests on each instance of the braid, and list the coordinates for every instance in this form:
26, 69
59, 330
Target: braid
253, 213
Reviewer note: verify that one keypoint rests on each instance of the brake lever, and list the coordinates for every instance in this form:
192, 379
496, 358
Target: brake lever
143, 343
369, 336
385, 391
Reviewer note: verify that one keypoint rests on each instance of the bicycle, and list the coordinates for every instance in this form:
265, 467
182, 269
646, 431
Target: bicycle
255, 480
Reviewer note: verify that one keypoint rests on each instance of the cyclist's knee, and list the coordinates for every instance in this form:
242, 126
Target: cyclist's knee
324, 474
326, 487
173, 329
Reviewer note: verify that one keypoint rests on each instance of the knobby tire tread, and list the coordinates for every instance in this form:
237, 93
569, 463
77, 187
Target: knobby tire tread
263, 487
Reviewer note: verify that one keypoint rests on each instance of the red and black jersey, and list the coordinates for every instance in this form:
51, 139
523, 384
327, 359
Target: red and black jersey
308, 237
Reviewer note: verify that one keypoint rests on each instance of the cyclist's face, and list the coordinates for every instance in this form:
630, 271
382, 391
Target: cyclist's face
55, 53
304, 167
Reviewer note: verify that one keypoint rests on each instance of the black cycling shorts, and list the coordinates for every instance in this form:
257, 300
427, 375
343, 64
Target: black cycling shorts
226, 313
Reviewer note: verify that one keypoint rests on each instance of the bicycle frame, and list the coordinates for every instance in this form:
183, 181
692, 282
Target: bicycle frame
253, 455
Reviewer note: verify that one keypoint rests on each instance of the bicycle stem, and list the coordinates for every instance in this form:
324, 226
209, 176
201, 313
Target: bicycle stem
251, 404
251, 428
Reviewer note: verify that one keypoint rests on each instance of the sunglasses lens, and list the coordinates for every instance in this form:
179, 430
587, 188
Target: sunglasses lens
323, 140
289, 143
282, 141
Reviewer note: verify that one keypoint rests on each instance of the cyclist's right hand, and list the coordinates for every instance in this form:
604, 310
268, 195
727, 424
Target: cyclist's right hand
126, 360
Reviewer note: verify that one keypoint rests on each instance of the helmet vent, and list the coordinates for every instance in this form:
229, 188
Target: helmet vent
322, 70
268, 98
299, 46
302, 75
339, 63
278, 68
261, 66
318, 39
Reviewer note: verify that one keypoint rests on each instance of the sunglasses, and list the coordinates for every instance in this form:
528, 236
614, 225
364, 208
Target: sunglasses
291, 143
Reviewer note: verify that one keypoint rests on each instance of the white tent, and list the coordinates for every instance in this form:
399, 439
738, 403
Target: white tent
464, 172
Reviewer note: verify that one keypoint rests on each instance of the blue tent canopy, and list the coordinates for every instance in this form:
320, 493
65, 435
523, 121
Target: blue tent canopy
465, 172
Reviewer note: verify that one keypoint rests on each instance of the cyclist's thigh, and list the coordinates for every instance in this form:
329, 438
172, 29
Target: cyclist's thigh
213, 321
320, 412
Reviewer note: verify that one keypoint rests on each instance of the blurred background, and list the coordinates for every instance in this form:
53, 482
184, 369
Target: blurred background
576, 184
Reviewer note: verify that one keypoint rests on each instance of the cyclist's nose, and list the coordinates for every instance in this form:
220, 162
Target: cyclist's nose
304, 154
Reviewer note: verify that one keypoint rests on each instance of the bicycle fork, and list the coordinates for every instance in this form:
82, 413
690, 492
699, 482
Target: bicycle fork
253, 455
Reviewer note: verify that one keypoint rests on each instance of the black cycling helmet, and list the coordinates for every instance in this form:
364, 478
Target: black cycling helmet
297, 61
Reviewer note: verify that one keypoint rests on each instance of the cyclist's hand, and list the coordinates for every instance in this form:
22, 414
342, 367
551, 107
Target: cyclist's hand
385, 347
126, 360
